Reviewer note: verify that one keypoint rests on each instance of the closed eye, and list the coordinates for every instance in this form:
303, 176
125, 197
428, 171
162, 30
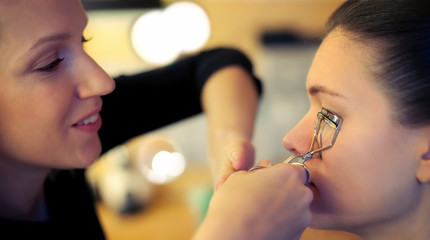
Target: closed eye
51, 66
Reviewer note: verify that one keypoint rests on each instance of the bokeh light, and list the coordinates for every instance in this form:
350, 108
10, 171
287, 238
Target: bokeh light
159, 160
161, 36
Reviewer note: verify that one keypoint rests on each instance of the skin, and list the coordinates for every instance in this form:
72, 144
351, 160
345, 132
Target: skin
371, 182
54, 99
50, 86
230, 121
64, 103
56, 85
43, 98
263, 214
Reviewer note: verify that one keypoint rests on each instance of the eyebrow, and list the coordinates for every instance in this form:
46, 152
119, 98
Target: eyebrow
52, 38
318, 89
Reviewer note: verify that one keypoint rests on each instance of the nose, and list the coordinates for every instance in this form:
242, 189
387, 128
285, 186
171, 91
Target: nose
298, 140
94, 81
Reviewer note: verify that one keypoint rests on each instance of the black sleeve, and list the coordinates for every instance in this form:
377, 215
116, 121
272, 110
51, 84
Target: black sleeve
153, 99
72, 213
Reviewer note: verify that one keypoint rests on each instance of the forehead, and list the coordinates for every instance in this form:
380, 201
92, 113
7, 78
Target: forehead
341, 63
22, 21
31, 13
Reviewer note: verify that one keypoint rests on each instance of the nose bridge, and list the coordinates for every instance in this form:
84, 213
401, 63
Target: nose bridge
93, 80
298, 140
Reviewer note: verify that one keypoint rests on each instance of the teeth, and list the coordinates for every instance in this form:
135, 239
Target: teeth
89, 120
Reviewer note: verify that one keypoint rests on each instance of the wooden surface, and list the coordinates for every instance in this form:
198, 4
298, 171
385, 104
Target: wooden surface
174, 213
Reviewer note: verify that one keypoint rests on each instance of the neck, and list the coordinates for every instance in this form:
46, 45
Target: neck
21, 188
413, 225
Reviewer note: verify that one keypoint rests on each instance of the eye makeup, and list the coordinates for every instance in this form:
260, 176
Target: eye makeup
52, 66
326, 130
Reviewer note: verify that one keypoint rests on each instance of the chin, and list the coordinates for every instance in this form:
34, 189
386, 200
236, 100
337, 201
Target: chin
321, 217
88, 157
329, 220
321, 222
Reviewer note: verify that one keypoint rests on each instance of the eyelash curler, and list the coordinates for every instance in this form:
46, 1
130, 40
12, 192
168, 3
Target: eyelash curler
326, 130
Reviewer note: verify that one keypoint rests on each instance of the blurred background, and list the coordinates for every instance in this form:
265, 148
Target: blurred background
279, 36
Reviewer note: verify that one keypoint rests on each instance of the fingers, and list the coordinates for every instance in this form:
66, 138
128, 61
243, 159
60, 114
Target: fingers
273, 194
307, 173
227, 171
241, 155
265, 163
297, 172
262, 164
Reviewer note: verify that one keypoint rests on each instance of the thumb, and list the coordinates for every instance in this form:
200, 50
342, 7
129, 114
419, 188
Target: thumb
225, 174
241, 155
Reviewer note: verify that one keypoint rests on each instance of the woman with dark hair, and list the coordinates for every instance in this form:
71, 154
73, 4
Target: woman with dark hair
51, 99
372, 70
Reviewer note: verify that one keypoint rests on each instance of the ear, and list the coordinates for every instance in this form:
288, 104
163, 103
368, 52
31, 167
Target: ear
423, 173
426, 156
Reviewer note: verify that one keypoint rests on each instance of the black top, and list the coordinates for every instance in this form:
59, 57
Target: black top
140, 103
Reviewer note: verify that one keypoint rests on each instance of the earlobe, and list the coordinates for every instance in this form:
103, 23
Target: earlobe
426, 156
423, 173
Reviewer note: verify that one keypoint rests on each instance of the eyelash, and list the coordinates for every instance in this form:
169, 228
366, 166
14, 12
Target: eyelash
85, 40
51, 66
54, 65
331, 111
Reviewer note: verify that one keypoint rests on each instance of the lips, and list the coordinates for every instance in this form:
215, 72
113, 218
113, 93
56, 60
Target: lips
91, 123
92, 119
312, 185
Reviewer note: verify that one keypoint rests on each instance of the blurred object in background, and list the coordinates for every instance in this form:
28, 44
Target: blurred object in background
123, 178
159, 160
159, 37
118, 184
287, 56
133, 38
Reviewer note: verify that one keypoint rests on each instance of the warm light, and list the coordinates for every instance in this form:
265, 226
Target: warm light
166, 166
161, 36
159, 161
189, 25
151, 40
166, 163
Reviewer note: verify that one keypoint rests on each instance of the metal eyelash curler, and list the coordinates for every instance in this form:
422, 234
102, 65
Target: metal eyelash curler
325, 119
325, 131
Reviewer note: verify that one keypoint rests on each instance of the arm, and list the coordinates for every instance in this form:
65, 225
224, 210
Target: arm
230, 100
153, 99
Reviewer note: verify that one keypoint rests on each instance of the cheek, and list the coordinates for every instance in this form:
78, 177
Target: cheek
34, 123
360, 175
47, 109
377, 152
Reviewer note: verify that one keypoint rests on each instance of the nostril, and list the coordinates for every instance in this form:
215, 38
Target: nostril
293, 145
293, 151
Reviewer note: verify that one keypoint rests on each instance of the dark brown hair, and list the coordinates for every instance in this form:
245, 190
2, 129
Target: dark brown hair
402, 28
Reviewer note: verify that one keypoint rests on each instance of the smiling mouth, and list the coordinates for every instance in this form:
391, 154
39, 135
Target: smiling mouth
91, 119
